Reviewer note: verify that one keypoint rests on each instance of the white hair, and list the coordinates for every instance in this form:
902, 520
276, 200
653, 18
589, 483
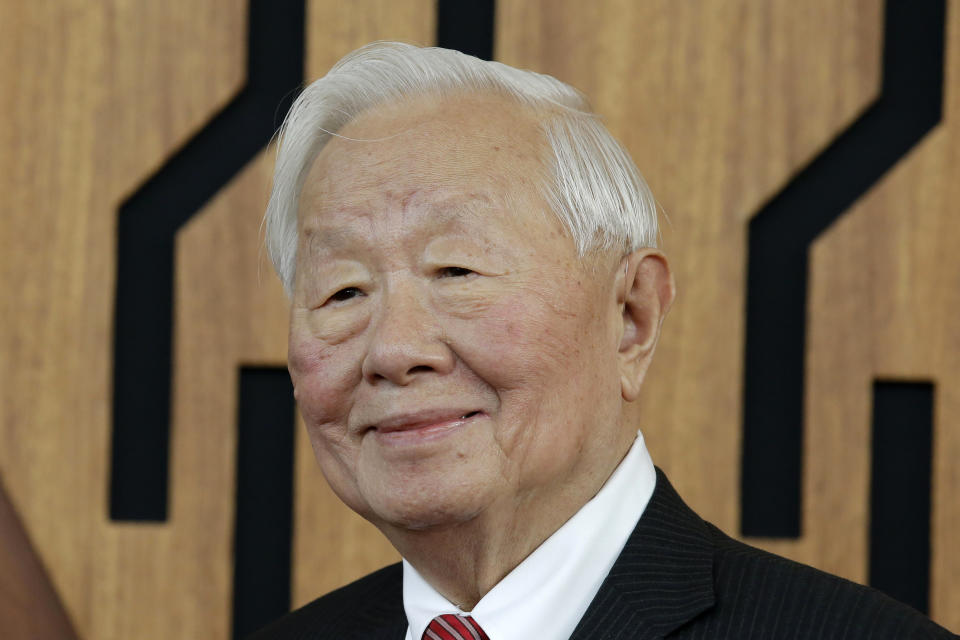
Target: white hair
595, 189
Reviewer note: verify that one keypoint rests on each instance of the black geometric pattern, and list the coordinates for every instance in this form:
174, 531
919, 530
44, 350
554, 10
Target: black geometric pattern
909, 106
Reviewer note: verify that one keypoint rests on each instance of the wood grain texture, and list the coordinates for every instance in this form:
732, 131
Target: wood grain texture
95, 96
29, 606
885, 294
719, 103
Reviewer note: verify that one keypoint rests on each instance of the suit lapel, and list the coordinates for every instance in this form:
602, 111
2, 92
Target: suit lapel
382, 619
662, 579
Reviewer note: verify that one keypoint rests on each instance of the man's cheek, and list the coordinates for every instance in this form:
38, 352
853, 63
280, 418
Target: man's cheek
509, 345
323, 379
337, 457
325, 394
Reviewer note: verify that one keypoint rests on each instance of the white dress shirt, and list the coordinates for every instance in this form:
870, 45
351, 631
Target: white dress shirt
546, 595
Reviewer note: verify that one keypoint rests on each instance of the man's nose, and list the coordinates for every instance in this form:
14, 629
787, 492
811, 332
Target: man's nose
406, 340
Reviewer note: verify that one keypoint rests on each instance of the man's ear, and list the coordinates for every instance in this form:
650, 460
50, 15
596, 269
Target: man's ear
645, 291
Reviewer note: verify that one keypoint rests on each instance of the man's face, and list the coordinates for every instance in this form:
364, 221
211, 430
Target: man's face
452, 355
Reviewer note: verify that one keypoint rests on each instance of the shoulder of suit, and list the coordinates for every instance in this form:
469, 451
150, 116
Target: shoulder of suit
369, 607
772, 596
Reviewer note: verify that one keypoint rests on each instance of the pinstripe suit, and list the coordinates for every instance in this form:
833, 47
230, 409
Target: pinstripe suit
677, 577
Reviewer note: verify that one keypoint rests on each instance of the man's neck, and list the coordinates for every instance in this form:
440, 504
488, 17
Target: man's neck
466, 560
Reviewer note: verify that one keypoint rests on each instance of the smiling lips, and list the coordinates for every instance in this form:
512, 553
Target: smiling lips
421, 425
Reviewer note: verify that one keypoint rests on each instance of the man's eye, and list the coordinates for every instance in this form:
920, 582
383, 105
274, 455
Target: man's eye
345, 294
454, 272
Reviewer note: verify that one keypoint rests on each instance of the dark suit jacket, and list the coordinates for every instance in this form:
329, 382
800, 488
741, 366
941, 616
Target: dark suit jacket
677, 577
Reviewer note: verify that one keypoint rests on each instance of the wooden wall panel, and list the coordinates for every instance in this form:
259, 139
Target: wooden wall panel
98, 95
94, 96
720, 103
706, 97
885, 296
885, 300
29, 606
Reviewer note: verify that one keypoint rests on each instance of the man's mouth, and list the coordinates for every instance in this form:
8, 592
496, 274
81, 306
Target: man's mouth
423, 423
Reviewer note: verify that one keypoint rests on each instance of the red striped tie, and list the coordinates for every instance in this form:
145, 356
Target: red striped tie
450, 626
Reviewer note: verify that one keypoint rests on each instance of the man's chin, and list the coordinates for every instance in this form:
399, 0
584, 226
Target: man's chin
414, 511
420, 494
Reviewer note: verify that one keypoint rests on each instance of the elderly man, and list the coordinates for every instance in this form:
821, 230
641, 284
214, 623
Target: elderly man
476, 297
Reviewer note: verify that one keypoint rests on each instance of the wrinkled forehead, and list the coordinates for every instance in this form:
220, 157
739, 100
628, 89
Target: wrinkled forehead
448, 153
452, 214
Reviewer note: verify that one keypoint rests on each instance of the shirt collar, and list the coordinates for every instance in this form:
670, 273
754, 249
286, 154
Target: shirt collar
546, 595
